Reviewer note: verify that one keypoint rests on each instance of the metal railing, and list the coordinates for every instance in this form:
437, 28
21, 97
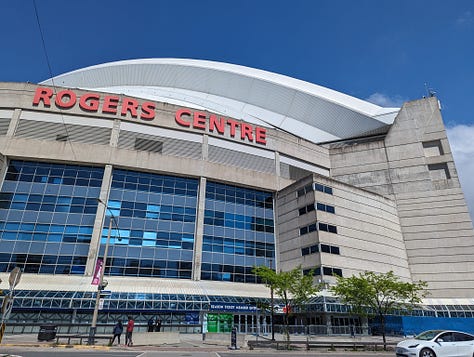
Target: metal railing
83, 328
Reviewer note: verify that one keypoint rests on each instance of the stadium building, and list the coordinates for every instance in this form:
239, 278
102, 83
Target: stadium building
193, 172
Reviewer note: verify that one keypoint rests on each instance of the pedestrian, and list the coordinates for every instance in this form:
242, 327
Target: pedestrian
158, 325
128, 336
118, 329
151, 324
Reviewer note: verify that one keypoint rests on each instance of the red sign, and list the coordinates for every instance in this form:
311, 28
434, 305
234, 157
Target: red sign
99, 265
213, 123
91, 102
112, 104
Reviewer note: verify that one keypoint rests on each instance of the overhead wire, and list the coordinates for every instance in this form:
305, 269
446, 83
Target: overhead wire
48, 62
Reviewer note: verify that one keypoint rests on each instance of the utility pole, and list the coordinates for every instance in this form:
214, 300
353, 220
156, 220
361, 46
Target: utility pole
7, 304
272, 305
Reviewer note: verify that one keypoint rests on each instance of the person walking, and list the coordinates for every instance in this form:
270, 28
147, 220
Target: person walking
118, 329
158, 325
151, 324
128, 336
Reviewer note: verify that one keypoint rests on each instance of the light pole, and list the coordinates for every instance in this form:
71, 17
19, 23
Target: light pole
101, 284
272, 306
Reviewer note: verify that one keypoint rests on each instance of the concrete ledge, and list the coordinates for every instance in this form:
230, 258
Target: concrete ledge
155, 338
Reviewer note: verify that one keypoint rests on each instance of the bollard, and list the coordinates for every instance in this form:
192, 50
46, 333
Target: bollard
233, 339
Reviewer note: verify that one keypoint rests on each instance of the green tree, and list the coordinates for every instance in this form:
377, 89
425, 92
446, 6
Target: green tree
293, 287
371, 294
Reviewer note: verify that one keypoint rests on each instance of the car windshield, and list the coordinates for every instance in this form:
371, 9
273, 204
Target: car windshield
427, 335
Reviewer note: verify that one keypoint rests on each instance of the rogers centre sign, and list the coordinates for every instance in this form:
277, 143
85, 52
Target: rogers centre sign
112, 104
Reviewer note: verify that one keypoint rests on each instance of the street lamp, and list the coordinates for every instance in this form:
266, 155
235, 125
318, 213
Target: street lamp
272, 306
102, 284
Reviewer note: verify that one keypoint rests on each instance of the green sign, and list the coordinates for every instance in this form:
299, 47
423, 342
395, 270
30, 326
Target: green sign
220, 322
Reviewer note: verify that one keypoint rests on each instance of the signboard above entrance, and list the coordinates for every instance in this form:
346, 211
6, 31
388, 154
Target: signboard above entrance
144, 110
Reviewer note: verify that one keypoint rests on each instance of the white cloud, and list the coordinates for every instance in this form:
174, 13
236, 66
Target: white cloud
386, 101
462, 146
465, 19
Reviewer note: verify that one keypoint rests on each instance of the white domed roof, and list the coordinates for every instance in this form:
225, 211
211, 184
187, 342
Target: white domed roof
306, 110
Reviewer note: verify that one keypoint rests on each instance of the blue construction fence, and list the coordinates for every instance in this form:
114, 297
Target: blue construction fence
413, 325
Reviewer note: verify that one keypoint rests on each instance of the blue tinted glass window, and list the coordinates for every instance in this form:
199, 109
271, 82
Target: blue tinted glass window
151, 220
237, 222
45, 217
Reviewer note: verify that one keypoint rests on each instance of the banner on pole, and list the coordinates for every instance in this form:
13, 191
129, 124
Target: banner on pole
98, 271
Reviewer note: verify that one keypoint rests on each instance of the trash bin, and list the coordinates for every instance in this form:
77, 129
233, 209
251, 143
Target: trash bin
47, 332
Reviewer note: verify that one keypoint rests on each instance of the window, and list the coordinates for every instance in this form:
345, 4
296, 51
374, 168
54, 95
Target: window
309, 250
315, 270
303, 191
327, 228
322, 188
439, 171
238, 232
325, 248
315, 226
433, 148
332, 271
326, 208
45, 194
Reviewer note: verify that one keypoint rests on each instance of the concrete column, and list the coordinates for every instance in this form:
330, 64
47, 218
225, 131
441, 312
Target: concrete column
99, 221
277, 164
114, 137
14, 122
205, 147
327, 322
365, 325
3, 168
198, 233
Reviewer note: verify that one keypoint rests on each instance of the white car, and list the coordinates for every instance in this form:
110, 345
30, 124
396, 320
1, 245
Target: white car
437, 343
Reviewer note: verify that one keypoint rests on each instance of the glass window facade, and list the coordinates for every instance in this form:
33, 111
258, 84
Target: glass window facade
238, 232
47, 215
153, 227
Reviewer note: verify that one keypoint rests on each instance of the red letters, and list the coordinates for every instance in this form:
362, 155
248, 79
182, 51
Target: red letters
233, 124
43, 94
89, 102
129, 105
179, 117
217, 124
260, 135
110, 104
199, 121
115, 105
148, 111
246, 131
70, 101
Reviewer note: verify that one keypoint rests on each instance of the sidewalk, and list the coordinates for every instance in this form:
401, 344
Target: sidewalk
187, 342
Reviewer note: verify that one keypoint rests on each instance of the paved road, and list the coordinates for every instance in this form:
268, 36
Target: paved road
24, 352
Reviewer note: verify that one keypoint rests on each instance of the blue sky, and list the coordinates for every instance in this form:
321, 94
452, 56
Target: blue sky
384, 51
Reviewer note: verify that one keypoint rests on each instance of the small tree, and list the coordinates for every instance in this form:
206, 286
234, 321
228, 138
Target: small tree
293, 287
371, 294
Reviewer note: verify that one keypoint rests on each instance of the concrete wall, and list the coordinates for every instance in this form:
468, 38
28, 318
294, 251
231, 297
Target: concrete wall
19, 97
414, 166
368, 230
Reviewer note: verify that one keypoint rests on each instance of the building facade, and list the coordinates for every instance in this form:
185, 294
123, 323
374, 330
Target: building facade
195, 172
